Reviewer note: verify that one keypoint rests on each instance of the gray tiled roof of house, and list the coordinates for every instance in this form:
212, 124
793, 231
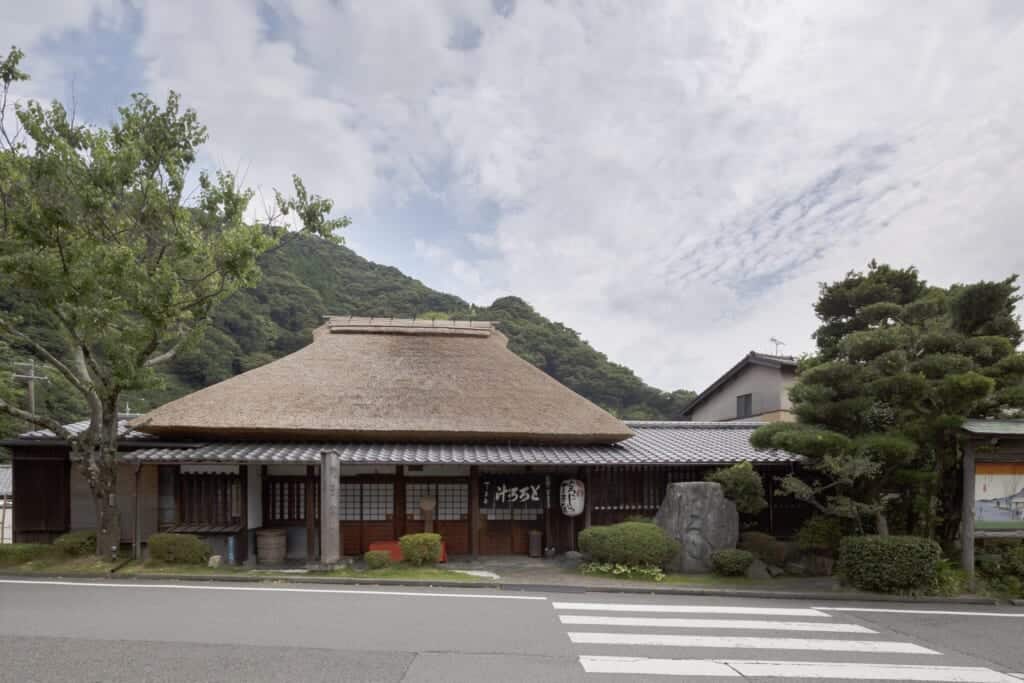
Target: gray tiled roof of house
1004, 427
77, 428
6, 482
655, 443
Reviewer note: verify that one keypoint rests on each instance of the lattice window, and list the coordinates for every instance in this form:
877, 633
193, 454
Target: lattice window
452, 500
378, 502
349, 503
209, 499
284, 500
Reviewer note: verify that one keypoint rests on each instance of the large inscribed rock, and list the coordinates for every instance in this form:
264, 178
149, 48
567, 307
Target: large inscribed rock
698, 515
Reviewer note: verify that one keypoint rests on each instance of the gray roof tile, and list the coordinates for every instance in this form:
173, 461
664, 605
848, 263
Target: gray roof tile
655, 443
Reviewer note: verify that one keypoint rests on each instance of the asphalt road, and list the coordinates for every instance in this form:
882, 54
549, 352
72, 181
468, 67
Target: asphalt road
140, 631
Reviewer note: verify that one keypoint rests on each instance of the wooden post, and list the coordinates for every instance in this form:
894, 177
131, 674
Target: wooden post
330, 528
588, 501
398, 514
474, 510
310, 514
243, 514
967, 515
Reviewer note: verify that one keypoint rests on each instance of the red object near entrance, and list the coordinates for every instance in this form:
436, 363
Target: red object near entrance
395, 550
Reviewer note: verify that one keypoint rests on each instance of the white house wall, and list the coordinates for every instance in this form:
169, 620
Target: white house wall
764, 384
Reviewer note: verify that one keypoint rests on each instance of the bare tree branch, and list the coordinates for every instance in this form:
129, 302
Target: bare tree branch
38, 420
166, 355
49, 358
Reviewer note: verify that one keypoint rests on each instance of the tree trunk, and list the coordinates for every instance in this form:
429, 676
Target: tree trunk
881, 524
95, 452
108, 526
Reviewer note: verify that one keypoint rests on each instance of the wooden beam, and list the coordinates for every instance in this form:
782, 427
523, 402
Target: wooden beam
310, 515
588, 500
243, 513
967, 515
474, 510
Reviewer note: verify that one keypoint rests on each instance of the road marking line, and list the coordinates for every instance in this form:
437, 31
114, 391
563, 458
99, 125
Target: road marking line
274, 589
737, 642
730, 668
826, 627
1019, 615
640, 666
689, 609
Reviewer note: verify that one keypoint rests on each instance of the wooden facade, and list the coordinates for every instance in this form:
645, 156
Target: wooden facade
376, 507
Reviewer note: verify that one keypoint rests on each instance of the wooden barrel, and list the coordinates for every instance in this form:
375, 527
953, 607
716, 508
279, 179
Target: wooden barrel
271, 545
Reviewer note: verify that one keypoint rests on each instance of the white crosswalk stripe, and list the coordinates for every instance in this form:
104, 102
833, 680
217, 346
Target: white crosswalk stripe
612, 643
736, 668
735, 624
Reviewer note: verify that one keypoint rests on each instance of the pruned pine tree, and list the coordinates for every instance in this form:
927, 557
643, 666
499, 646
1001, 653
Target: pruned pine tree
900, 365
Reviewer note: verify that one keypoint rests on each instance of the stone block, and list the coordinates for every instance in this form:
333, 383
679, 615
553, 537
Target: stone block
698, 515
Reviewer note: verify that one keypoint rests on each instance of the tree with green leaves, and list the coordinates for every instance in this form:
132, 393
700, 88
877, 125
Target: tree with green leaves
900, 365
101, 240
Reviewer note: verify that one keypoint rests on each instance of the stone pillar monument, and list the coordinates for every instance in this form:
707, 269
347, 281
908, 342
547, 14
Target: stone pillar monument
330, 527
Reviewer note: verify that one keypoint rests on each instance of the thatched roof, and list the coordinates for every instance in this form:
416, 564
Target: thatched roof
382, 379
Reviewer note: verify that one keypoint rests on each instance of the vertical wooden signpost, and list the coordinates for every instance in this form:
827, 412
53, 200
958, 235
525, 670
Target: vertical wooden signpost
967, 515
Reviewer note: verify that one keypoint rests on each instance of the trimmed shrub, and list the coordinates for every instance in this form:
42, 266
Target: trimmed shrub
13, 554
742, 485
890, 564
950, 580
638, 544
377, 559
178, 549
76, 543
624, 571
421, 549
765, 547
731, 562
820, 534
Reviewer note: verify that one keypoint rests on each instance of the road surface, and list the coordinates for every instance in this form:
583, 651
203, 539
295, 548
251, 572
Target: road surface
52, 630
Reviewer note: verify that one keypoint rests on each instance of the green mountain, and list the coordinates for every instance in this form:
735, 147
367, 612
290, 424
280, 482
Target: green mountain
306, 279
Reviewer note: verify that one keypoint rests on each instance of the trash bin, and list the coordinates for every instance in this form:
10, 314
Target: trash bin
536, 537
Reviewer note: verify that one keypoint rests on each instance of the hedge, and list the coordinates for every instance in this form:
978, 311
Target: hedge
178, 549
820, 534
765, 547
421, 549
638, 544
13, 554
377, 559
890, 564
76, 543
731, 562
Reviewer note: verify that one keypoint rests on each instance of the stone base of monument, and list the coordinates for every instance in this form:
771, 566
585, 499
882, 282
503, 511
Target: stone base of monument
698, 515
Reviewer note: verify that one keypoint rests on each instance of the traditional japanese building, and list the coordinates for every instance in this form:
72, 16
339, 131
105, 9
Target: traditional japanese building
433, 423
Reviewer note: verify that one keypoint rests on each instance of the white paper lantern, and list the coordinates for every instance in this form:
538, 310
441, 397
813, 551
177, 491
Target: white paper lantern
572, 496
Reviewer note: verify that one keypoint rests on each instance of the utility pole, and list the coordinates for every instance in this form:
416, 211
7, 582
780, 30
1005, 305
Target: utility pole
30, 379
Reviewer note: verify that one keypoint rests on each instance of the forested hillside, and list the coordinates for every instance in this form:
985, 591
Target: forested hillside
307, 278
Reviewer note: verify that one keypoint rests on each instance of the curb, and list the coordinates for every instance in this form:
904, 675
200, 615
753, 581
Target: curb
530, 587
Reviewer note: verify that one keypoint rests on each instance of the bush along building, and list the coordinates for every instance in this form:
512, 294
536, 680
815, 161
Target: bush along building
380, 428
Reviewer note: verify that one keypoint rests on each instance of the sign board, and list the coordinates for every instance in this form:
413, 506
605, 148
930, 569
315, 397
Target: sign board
571, 497
500, 491
999, 496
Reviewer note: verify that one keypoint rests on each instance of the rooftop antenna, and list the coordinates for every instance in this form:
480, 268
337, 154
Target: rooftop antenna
30, 379
778, 343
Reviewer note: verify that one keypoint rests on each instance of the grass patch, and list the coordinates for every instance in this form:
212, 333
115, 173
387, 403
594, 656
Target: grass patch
58, 563
401, 571
995, 526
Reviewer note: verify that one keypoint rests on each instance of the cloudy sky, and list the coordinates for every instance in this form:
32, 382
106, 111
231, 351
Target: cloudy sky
672, 179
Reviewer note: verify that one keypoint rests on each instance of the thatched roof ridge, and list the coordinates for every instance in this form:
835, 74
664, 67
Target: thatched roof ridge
384, 379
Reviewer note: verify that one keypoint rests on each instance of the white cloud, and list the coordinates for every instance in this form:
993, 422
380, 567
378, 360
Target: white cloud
672, 179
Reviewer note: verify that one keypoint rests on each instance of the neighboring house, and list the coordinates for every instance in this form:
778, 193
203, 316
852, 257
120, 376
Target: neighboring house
420, 414
755, 389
